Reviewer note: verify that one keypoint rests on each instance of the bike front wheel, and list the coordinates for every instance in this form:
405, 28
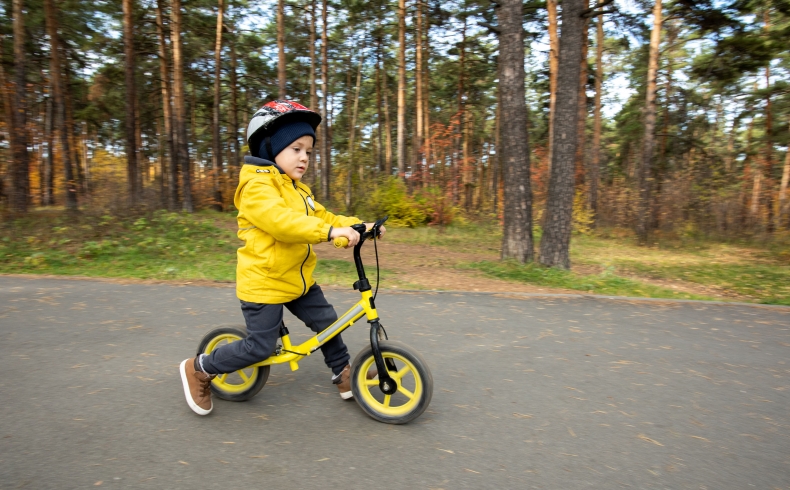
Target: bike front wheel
242, 384
407, 368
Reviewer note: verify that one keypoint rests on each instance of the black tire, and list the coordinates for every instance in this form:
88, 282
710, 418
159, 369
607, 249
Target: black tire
417, 381
233, 387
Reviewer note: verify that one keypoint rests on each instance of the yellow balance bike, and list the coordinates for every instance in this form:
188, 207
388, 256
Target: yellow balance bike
400, 393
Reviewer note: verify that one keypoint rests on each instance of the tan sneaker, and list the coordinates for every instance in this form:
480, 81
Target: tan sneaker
197, 387
343, 381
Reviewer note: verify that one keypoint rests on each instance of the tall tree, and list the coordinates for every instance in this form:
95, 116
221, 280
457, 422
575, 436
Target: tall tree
281, 49
171, 175
234, 99
595, 165
769, 145
130, 111
648, 141
60, 105
313, 92
352, 130
20, 178
216, 150
418, 91
517, 240
784, 208
554, 52
401, 142
326, 165
179, 105
555, 243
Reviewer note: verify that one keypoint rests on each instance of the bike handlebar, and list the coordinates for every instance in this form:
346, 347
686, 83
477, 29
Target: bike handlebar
342, 242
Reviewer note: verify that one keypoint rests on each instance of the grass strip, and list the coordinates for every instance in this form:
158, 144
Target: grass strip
606, 283
769, 283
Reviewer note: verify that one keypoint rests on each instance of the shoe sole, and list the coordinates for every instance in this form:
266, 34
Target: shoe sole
195, 408
347, 395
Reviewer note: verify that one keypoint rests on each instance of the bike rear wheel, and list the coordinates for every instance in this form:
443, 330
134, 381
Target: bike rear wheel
407, 368
242, 384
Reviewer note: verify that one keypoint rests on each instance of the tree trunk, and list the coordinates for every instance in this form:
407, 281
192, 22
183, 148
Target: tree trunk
582, 107
130, 102
179, 106
402, 89
461, 164
426, 98
70, 127
48, 177
593, 176
497, 163
325, 143
353, 131
216, 151
281, 48
20, 178
379, 104
784, 208
769, 145
313, 92
648, 143
554, 52
555, 244
60, 106
171, 172
387, 124
517, 241
418, 72
234, 102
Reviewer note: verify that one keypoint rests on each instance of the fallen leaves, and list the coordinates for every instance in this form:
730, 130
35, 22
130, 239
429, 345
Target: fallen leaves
647, 439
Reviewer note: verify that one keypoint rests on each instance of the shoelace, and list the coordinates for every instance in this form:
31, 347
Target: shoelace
205, 386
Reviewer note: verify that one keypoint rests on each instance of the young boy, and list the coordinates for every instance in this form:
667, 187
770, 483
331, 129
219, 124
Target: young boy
279, 222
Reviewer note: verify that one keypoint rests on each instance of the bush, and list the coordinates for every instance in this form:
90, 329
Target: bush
437, 206
391, 199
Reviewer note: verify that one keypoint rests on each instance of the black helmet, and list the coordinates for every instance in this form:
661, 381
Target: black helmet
274, 114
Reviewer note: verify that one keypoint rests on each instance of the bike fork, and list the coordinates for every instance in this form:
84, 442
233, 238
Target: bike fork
387, 385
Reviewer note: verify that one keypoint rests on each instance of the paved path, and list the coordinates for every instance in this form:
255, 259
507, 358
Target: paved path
529, 393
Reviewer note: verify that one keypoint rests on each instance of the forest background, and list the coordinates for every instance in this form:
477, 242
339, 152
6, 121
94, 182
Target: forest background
543, 118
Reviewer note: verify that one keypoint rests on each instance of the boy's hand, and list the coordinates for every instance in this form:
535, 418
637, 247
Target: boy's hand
349, 233
382, 230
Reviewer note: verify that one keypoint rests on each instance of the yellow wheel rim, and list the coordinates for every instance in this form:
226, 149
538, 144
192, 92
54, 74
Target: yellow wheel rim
410, 387
239, 381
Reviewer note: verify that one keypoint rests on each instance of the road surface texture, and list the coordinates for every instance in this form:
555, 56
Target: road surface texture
554, 393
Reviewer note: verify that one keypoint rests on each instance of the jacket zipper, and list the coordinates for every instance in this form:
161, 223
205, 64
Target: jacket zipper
301, 267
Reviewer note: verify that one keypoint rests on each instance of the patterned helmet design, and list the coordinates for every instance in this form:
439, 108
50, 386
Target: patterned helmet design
275, 113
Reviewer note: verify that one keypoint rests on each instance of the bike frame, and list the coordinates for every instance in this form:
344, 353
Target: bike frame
292, 354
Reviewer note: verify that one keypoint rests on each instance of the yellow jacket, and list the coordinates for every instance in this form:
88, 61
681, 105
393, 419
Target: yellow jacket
279, 221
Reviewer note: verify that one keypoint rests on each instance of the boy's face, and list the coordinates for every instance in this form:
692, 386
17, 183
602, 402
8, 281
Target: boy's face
295, 158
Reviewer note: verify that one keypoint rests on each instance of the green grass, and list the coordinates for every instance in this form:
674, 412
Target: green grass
606, 283
741, 269
174, 246
158, 246
342, 273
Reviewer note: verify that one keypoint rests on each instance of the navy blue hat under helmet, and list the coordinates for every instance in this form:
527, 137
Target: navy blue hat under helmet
284, 136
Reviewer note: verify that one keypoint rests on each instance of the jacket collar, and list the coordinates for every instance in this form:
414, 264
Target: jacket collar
260, 162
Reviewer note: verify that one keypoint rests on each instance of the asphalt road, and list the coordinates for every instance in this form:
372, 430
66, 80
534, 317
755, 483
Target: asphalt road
529, 393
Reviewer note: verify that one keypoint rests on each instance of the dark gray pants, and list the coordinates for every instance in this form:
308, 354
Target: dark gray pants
263, 331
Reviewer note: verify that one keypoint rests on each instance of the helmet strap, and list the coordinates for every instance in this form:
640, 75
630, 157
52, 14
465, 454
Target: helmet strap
269, 150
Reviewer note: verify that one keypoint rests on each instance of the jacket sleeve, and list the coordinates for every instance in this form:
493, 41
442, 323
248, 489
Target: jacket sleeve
265, 208
334, 220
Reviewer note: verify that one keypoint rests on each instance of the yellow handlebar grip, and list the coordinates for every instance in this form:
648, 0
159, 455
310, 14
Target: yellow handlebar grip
341, 242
